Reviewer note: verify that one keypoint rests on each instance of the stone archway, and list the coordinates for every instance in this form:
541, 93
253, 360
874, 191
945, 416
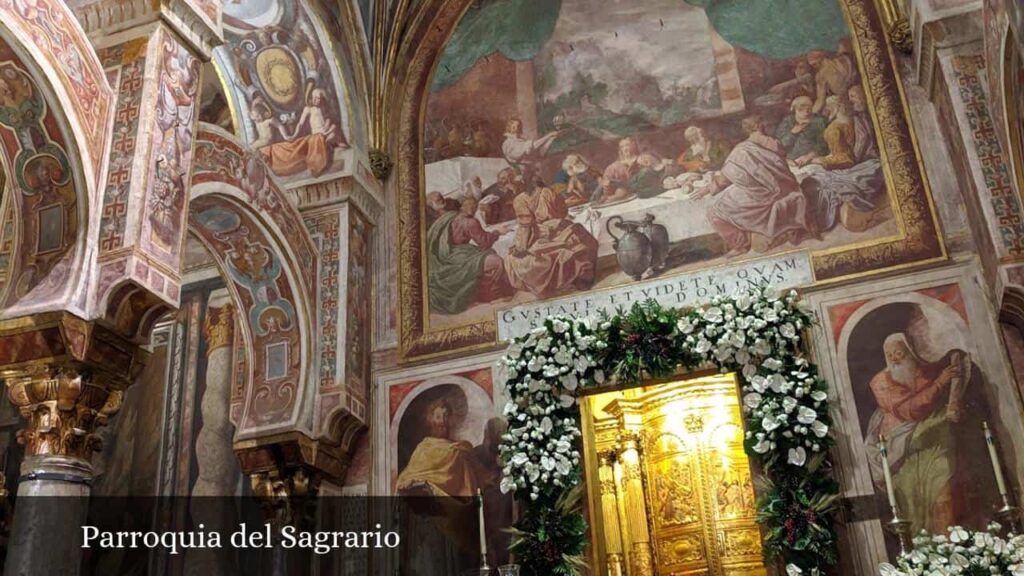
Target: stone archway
53, 155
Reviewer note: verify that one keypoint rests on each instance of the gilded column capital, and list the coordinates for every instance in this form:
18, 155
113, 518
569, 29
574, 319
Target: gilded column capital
283, 493
66, 376
62, 407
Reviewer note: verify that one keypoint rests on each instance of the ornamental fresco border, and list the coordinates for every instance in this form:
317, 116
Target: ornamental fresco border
918, 241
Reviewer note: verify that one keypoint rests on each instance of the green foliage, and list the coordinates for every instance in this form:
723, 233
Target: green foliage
550, 536
797, 509
642, 343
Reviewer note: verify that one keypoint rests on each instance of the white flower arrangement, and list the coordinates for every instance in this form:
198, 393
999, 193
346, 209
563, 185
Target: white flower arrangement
545, 372
961, 551
755, 334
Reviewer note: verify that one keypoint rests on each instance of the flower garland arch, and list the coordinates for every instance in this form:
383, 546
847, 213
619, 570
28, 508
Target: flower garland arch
755, 334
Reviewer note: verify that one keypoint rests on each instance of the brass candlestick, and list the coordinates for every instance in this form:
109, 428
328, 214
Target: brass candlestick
901, 528
1009, 515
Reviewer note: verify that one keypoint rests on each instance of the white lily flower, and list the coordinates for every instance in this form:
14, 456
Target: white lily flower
819, 428
806, 415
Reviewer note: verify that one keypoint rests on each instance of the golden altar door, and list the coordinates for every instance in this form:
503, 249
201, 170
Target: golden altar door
669, 486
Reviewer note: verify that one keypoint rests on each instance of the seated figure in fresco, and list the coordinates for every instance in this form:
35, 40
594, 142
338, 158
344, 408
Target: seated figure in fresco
840, 135
438, 204
578, 182
861, 187
550, 253
521, 152
802, 132
462, 267
633, 173
930, 414
756, 193
310, 146
496, 204
702, 154
833, 74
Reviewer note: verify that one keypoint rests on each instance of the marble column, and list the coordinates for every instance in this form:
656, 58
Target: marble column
217, 466
62, 406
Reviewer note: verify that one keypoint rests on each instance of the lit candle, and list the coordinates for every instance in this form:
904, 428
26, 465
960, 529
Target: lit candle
1000, 481
890, 491
483, 537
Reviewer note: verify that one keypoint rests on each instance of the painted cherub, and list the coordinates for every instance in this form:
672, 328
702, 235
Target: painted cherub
268, 128
315, 117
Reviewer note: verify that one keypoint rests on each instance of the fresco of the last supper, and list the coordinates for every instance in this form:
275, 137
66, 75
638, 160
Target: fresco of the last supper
719, 132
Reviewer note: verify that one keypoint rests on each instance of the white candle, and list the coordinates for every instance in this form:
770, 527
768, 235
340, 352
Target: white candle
890, 491
483, 537
1000, 481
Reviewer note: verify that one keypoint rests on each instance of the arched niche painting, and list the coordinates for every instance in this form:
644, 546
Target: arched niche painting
443, 442
550, 128
916, 376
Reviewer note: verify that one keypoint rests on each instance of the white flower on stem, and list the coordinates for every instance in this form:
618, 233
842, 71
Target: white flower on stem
762, 446
788, 331
958, 535
797, 456
789, 403
819, 396
769, 423
713, 314
703, 345
752, 400
806, 415
546, 425
684, 325
566, 401
819, 428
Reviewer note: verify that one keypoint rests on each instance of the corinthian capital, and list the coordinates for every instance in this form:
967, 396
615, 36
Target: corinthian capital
66, 376
62, 407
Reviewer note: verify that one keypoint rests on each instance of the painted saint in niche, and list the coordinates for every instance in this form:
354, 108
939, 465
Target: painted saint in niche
448, 450
921, 407
915, 382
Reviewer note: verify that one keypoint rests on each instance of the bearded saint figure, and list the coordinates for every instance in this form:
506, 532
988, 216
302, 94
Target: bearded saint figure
930, 414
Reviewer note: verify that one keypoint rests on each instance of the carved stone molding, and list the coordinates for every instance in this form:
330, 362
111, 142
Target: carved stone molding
339, 190
279, 492
380, 163
197, 22
900, 35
